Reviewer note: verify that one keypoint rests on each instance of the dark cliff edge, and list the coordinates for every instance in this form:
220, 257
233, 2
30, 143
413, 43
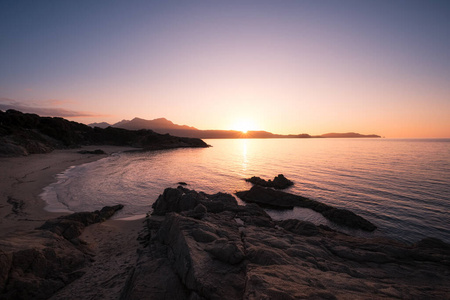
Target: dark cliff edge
23, 134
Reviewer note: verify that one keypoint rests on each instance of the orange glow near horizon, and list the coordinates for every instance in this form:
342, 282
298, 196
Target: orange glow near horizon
244, 125
286, 67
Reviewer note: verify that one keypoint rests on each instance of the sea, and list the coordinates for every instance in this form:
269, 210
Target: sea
400, 185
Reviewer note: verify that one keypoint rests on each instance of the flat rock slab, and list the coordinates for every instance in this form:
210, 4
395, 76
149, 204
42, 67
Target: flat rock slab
282, 200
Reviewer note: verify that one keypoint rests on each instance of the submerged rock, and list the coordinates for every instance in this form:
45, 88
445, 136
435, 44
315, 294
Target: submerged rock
279, 182
282, 200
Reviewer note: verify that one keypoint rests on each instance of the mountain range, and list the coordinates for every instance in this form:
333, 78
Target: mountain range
164, 126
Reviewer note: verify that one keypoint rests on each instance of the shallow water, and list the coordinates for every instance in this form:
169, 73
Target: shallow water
402, 186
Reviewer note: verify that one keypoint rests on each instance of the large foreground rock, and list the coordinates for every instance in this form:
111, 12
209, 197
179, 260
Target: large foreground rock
282, 200
36, 264
240, 253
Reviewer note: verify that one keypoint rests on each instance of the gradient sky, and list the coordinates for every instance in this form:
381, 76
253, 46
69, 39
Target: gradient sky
295, 67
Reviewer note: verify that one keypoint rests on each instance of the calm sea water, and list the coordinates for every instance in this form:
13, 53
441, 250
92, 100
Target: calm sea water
402, 186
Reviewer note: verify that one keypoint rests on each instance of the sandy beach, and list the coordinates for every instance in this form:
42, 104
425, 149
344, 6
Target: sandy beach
112, 243
22, 180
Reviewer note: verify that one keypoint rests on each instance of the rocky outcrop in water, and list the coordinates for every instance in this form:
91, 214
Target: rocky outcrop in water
282, 200
36, 264
23, 134
279, 182
240, 253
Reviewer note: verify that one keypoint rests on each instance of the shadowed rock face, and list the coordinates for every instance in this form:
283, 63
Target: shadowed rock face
231, 255
184, 200
282, 200
279, 182
36, 264
72, 226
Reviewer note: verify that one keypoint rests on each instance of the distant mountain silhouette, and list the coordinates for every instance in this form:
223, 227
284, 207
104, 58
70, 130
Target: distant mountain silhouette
348, 135
100, 125
160, 124
164, 126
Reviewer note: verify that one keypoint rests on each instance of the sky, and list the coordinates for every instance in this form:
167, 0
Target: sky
288, 67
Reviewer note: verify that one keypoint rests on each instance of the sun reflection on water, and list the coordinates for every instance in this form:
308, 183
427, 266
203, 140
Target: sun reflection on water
244, 157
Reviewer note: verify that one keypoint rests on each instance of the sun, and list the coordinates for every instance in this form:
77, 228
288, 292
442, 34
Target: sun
243, 126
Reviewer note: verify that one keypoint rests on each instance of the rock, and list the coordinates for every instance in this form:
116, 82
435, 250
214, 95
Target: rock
182, 200
225, 251
36, 272
299, 227
279, 182
348, 218
200, 209
36, 264
203, 236
182, 183
97, 152
8, 148
252, 214
432, 243
175, 200
282, 200
71, 226
207, 274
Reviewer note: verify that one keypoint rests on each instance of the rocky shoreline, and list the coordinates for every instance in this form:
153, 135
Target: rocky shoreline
213, 248
201, 246
268, 197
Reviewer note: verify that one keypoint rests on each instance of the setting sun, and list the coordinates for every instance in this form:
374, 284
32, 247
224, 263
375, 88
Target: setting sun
244, 126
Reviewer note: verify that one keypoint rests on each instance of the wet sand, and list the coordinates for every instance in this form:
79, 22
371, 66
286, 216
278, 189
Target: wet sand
22, 180
113, 243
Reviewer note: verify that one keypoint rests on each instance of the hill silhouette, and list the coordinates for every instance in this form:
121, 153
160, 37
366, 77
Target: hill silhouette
23, 134
164, 126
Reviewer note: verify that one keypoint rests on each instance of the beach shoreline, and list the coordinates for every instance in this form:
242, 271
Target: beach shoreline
23, 179
183, 250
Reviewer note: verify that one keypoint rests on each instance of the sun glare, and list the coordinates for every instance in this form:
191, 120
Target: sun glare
244, 126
